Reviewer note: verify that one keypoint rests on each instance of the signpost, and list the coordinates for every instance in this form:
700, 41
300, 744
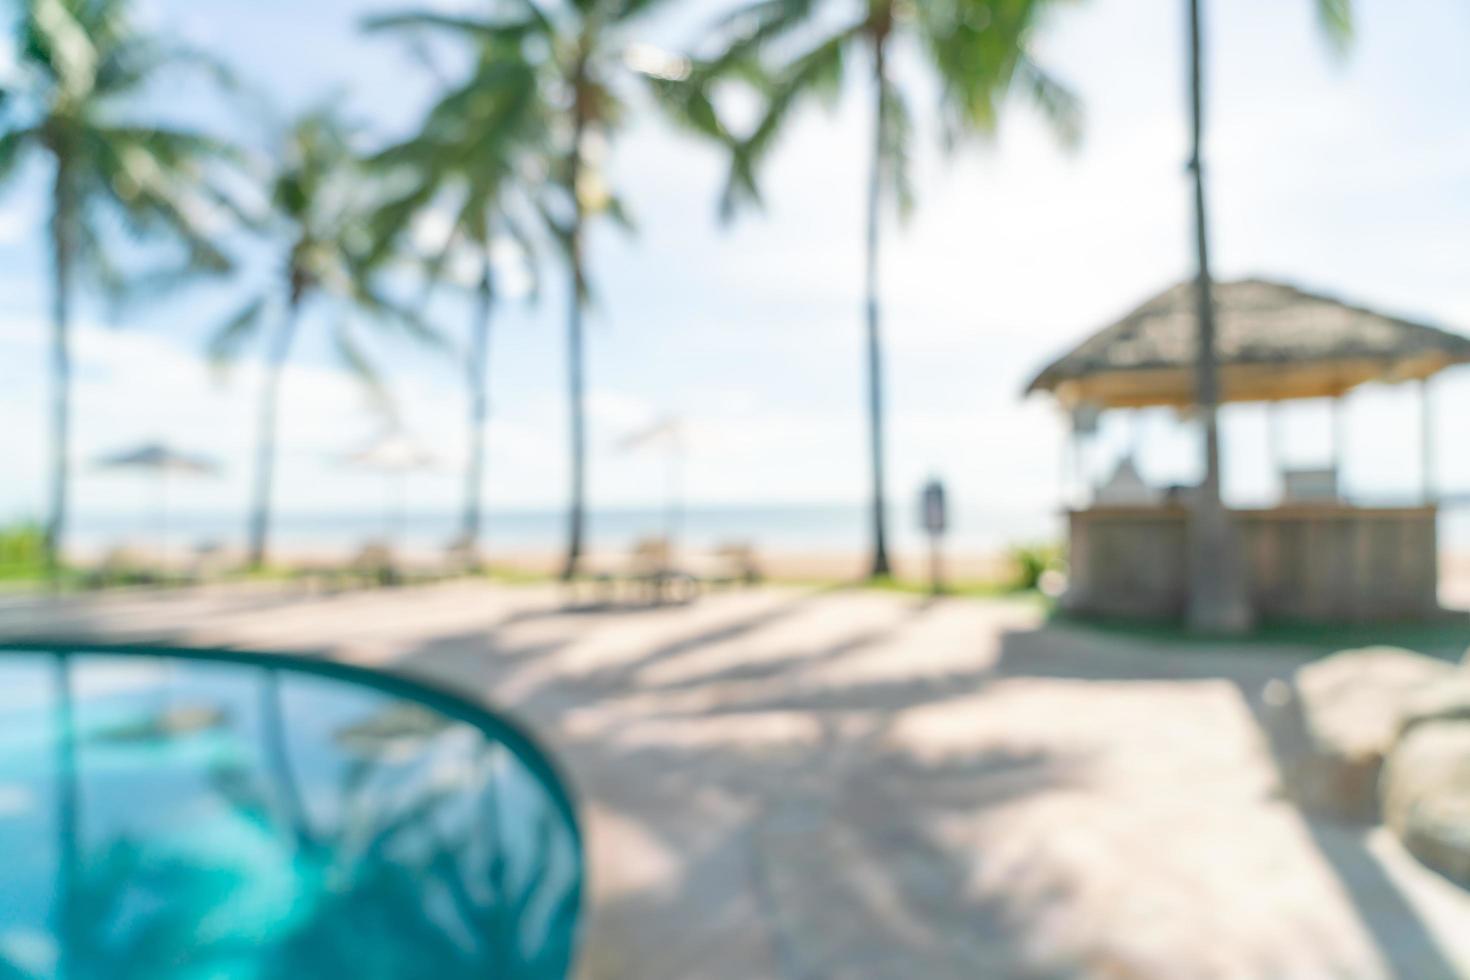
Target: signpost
934, 518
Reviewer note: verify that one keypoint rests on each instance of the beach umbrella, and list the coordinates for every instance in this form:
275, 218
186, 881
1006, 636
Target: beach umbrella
668, 434
161, 462
394, 454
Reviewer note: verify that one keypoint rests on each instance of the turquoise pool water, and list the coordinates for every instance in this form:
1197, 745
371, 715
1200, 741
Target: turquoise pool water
167, 816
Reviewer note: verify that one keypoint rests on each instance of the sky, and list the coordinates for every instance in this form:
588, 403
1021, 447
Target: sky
1347, 175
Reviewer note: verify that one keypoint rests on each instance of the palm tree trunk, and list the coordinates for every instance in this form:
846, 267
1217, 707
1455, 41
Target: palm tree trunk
479, 356
68, 817
1216, 598
265, 445
880, 567
576, 386
276, 755
62, 257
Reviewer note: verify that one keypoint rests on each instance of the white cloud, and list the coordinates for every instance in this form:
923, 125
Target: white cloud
19, 221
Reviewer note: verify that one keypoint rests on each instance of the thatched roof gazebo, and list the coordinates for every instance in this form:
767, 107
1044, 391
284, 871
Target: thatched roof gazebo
1274, 342
1313, 555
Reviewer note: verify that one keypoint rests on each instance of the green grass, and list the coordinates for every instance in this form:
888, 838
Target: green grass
1446, 638
975, 589
510, 575
22, 552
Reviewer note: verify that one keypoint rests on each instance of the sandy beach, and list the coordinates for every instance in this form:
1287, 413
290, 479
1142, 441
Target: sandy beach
781, 565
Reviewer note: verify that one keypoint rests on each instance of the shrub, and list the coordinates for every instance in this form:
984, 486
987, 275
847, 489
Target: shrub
1029, 562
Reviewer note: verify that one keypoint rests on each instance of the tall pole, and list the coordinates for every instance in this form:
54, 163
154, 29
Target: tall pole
1339, 443
936, 565
1216, 596
674, 516
476, 366
880, 567
265, 447
63, 254
1426, 441
68, 818
1278, 451
1072, 474
576, 380
163, 520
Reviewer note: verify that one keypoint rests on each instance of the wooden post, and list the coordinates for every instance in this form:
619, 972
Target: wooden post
1217, 596
1072, 475
1426, 441
934, 517
936, 566
1339, 442
1136, 419
1087, 481
1273, 439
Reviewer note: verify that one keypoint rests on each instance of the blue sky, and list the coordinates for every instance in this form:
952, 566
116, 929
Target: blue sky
1351, 176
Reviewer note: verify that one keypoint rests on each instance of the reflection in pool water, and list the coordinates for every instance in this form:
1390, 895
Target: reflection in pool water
167, 816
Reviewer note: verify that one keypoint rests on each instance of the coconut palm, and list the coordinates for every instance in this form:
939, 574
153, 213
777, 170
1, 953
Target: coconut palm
979, 52
585, 56
72, 100
319, 210
468, 163
1217, 596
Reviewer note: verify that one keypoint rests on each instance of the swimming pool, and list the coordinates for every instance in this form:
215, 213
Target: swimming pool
176, 814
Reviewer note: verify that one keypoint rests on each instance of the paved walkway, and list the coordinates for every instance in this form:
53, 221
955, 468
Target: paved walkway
792, 784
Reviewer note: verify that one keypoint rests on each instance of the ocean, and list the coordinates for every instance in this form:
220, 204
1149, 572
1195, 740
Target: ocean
826, 529
834, 529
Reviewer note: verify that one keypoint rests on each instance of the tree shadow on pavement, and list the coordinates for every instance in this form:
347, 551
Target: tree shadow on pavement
776, 831
1074, 651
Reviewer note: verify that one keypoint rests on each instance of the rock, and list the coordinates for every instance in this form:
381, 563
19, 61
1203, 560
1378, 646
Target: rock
1426, 795
1351, 708
1444, 700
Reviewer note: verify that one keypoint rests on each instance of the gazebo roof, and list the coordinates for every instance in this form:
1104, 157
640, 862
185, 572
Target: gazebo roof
1275, 342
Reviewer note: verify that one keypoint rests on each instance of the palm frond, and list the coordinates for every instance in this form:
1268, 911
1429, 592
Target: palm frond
689, 102
628, 11
1058, 104
617, 209
56, 40
817, 71
94, 261
140, 59
13, 144
475, 28
385, 311
352, 357
1335, 17
894, 139
753, 28
979, 49
154, 197
517, 232
232, 335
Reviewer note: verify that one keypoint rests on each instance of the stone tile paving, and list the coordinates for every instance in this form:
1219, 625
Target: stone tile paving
795, 784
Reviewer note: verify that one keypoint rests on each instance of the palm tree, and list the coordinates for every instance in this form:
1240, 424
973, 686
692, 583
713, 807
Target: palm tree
469, 160
1217, 594
582, 53
82, 66
319, 210
979, 51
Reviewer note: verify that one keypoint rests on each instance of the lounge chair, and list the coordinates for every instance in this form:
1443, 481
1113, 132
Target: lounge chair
732, 563
646, 576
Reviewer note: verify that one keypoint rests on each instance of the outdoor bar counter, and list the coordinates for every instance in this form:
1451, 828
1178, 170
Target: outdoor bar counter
1317, 561
1317, 555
